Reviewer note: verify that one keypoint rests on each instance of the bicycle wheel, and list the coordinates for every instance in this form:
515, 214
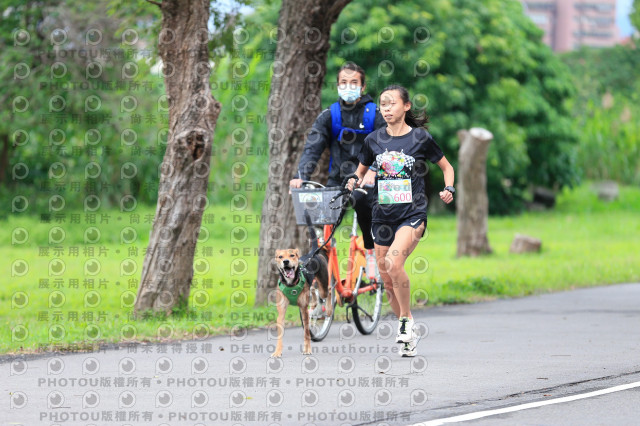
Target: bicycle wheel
319, 322
367, 307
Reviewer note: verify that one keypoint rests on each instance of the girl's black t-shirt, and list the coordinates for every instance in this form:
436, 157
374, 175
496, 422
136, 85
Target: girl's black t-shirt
401, 160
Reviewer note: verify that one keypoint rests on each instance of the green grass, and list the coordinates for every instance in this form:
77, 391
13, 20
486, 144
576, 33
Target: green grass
585, 242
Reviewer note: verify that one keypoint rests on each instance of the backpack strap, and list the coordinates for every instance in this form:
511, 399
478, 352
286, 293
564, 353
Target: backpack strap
369, 117
336, 127
368, 122
336, 119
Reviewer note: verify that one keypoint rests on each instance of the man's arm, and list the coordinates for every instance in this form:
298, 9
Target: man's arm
317, 140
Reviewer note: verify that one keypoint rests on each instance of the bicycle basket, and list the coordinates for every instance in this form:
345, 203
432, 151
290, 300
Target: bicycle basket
315, 201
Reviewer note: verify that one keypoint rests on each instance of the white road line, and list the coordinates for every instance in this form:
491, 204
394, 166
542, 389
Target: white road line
481, 414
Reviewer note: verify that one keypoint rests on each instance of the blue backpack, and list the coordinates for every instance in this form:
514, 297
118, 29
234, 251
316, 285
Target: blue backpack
368, 121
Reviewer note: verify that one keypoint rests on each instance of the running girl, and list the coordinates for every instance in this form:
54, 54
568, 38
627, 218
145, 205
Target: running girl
399, 216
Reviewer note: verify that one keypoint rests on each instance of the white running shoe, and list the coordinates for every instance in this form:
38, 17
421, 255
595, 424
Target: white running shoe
410, 349
405, 330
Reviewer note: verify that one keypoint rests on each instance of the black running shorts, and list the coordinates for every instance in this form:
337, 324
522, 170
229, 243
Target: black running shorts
384, 233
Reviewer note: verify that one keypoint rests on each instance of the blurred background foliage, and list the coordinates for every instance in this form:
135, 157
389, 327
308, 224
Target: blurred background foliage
474, 64
70, 130
606, 108
81, 103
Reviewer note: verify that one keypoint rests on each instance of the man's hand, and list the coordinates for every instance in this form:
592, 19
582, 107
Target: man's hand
369, 179
446, 196
294, 183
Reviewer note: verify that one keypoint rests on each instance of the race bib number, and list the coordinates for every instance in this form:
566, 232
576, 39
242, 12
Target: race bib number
394, 191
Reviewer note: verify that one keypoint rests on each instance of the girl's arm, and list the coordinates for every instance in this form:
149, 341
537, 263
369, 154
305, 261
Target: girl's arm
361, 170
369, 179
447, 171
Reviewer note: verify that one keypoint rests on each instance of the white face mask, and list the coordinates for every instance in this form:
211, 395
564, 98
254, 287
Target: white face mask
349, 94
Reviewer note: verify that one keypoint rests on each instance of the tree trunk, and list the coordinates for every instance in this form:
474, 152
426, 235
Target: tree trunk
304, 28
182, 195
472, 201
4, 158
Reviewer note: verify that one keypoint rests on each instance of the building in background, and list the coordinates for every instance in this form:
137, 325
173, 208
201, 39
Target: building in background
570, 24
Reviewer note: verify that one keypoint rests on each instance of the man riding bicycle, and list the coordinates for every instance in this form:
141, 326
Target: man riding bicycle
342, 128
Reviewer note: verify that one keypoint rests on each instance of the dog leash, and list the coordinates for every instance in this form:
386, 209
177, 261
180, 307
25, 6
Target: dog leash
337, 223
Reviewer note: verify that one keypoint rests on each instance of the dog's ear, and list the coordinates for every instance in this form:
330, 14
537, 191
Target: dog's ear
296, 252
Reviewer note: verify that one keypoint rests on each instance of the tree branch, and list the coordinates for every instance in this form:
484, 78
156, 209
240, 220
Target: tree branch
155, 2
336, 8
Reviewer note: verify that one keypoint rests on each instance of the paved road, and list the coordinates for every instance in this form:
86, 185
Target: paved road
613, 409
474, 358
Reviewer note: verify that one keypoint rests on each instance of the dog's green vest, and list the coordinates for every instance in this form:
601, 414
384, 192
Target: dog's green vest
292, 293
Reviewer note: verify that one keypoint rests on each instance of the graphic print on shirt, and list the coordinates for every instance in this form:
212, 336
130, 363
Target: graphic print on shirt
394, 177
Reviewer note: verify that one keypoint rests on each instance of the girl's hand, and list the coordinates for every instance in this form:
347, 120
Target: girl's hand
446, 196
350, 184
369, 179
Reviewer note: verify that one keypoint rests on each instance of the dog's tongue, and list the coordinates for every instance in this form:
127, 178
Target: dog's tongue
288, 273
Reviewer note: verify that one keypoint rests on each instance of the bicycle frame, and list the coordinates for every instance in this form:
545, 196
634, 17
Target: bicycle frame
354, 288
345, 291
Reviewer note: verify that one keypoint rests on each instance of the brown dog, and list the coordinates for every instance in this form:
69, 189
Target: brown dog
297, 274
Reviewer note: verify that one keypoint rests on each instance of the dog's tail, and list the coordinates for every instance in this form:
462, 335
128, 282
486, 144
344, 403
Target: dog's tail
312, 232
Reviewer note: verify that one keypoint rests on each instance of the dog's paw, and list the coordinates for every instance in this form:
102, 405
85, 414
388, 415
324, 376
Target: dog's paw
276, 354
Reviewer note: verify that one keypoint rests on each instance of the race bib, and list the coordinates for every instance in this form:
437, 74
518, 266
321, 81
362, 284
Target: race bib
394, 191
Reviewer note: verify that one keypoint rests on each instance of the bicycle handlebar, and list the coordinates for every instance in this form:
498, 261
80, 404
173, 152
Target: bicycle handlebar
352, 176
343, 191
346, 179
311, 182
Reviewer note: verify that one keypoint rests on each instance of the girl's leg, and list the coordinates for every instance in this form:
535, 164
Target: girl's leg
406, 240
381, 254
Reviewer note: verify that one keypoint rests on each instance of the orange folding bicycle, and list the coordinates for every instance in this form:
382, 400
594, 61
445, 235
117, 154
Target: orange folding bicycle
360, 293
